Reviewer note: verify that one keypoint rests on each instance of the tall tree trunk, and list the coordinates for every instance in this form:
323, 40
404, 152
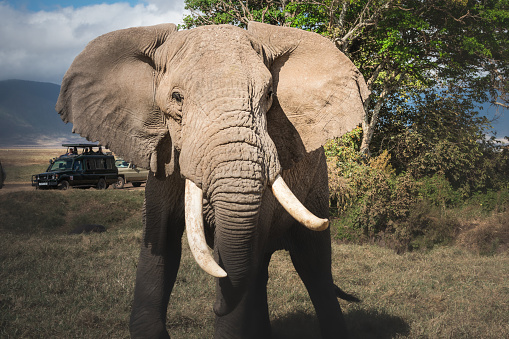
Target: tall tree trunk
368, 125
370, 120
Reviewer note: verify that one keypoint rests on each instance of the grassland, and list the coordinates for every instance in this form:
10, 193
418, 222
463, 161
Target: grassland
56, 285
20, 164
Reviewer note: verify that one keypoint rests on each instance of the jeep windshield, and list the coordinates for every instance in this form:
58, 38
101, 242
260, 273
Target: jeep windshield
60, 165
120, 163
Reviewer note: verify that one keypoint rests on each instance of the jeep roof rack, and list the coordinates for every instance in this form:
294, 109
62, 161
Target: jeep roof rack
81, 145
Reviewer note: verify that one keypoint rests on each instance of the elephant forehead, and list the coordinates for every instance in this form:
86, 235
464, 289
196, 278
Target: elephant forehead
208, 47
220, 33
215, 60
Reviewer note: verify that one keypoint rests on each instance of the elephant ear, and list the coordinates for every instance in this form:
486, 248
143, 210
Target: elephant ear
108, 94
319, 91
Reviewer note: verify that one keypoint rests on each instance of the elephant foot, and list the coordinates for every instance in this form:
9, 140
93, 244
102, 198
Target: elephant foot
245, 321
231, 331
147, 326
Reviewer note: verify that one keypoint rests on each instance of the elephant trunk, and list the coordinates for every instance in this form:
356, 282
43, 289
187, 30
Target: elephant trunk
236, 245
236, 199
236, 216
236, 169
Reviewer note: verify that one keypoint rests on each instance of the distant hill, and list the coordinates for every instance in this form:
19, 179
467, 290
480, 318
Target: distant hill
28, 116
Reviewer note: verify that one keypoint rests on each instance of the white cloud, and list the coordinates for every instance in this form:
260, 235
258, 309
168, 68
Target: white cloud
40, 46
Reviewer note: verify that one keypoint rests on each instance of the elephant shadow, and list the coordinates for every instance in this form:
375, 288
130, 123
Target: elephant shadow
361, 323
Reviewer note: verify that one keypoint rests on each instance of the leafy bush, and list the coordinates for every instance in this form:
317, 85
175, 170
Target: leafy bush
372, 202
343, 158
368, 197
438, 191
491, 201
439, 132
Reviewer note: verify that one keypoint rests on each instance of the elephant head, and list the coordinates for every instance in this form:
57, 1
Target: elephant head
226, 108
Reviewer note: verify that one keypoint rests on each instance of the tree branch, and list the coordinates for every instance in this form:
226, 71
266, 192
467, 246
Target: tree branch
368, 125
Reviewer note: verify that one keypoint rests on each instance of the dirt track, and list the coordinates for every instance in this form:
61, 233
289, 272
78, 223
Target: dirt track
27, 186
16, 187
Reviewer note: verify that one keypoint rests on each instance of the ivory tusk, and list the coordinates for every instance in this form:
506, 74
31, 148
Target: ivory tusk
196, 232
295, 208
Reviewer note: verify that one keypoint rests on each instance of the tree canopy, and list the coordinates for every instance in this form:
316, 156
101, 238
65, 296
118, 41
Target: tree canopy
402, 47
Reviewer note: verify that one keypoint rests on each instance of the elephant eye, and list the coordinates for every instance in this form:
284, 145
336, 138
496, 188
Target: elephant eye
270, 96
177, 97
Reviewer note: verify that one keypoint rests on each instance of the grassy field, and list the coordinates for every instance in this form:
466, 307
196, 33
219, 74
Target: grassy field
67, 286
56, 285
20, 164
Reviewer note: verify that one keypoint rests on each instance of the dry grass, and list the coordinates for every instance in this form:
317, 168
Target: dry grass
64, 286
20, 164
446, 293
28, 156
55, 285
485, 236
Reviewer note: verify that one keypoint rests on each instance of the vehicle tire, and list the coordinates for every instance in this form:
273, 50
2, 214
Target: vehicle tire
64, 185
120, 183
101, 184
136, 184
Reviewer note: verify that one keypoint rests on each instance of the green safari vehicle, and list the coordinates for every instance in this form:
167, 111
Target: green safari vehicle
84, 165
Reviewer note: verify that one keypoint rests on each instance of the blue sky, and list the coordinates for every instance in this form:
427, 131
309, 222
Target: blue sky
39, 39
50, 5
500, 117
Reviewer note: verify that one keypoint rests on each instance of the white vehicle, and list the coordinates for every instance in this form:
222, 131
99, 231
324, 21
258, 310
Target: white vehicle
128, 172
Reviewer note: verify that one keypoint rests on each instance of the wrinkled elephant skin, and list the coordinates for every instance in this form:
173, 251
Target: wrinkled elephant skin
234, 121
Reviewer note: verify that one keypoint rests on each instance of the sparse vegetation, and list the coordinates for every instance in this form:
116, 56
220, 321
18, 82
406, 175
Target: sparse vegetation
20, 164
81, 286
395, 206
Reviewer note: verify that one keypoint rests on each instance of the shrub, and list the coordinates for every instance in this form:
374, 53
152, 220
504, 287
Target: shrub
413, 201
438, 191
373, 203
491, 201
486, 236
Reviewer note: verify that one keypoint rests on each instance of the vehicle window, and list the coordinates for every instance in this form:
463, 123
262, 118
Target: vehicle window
90, 164
61, 165
101, 163
77, 166
110, 163
121, 164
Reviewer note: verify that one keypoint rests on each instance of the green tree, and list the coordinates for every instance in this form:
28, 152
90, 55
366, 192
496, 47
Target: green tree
401, 46
437, 133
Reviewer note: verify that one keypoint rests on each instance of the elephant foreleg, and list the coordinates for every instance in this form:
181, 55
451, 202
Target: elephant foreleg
260, 320
311, 256
158, 263
250, 319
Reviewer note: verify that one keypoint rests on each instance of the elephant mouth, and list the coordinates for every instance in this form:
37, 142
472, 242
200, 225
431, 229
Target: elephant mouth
196, 232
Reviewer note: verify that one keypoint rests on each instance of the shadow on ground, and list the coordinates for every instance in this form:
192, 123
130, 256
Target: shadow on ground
377, 324
365, 324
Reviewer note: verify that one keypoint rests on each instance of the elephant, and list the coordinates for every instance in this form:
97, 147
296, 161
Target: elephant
231, 123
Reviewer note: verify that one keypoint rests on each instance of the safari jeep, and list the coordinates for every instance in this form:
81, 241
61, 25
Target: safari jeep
81, 166
129, 173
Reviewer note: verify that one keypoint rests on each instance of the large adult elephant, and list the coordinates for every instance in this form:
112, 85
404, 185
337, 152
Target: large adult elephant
230, 123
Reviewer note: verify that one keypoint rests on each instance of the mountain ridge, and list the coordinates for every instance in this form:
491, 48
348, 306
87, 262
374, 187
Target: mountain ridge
29, 119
